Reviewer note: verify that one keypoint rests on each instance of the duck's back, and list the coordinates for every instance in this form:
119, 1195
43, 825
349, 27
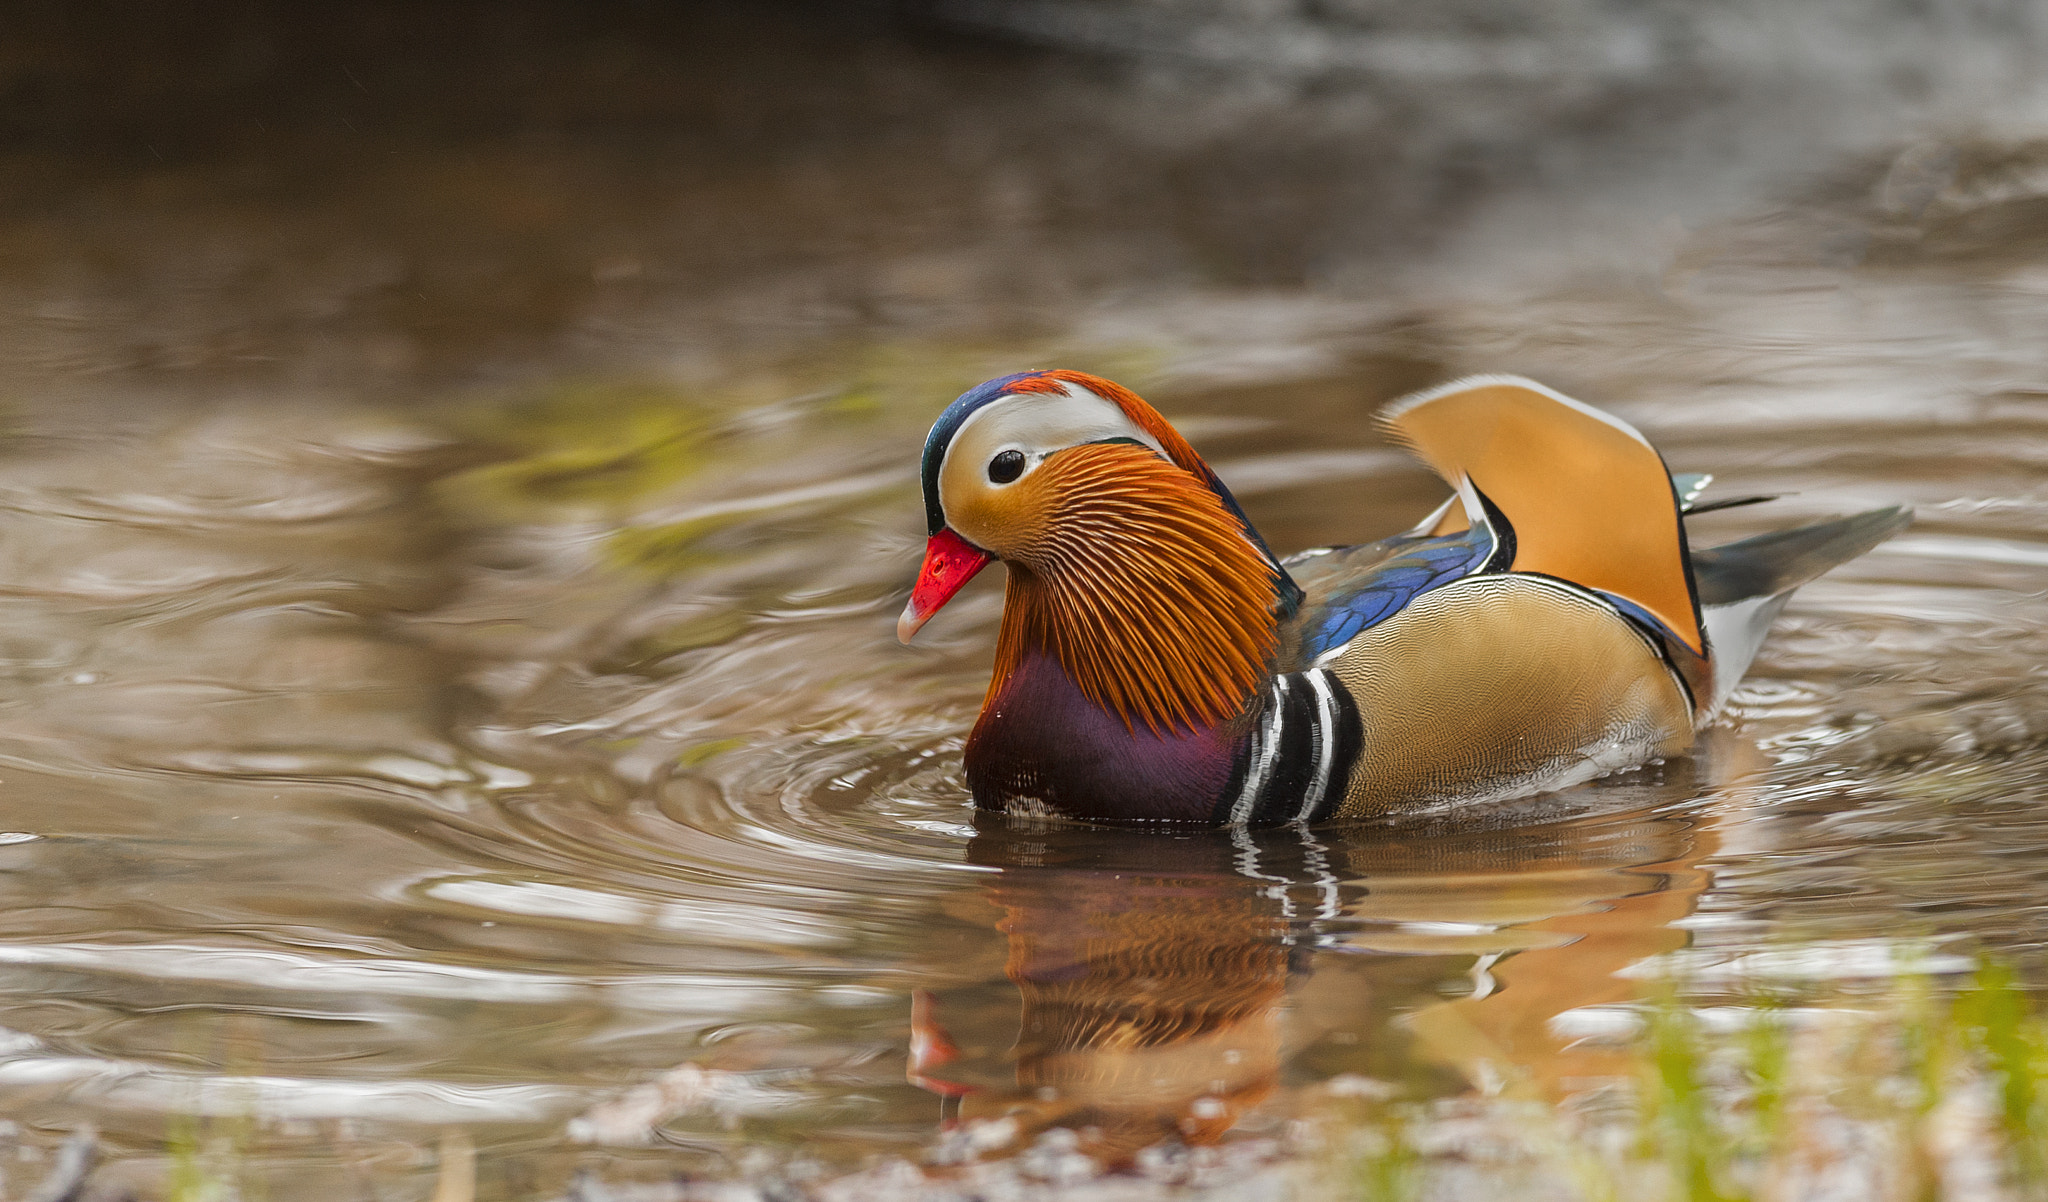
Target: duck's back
1502, 685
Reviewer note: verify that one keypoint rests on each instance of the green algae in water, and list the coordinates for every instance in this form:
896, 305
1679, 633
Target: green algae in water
2002, 1026
1681, 1116
1917, 1093
596, 443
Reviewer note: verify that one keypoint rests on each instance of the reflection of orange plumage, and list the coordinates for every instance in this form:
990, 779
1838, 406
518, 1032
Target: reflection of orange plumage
1152, 987
1547, 626
1151, 1014
1575, 906
1163, 961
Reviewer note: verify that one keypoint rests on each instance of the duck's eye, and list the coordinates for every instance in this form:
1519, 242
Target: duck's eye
1006, 466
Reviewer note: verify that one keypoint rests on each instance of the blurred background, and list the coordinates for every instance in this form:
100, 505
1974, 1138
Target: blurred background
456, 488
395, 198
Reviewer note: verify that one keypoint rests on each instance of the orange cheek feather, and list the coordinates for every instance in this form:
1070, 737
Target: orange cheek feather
949, 563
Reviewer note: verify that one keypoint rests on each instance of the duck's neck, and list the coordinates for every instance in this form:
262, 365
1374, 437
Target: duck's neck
1042, 747
1154, 669
1135, 637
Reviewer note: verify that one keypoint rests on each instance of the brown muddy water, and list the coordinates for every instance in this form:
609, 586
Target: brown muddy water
457, 488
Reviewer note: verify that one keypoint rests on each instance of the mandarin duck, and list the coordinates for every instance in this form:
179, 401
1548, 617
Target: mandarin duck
1546, 625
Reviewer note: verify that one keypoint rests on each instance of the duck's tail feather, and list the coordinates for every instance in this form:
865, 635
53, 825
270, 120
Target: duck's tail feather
1744, 584
1783, 560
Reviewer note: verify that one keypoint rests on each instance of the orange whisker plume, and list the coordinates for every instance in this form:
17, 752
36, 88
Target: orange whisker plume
1143, 586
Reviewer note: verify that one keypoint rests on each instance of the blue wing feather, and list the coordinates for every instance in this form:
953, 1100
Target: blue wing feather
1351, 589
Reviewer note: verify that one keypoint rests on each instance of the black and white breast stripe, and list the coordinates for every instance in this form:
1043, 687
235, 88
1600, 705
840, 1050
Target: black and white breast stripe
1298, 759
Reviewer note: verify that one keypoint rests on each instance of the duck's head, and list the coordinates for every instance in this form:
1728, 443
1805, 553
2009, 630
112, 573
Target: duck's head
1129, 560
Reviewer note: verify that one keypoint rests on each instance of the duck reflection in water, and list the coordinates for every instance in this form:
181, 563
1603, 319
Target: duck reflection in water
1169, 983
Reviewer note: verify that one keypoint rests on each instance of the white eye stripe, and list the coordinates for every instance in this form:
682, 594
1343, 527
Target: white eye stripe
1033, 460
1037, 425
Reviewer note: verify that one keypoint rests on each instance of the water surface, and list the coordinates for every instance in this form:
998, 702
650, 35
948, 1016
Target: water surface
404, 732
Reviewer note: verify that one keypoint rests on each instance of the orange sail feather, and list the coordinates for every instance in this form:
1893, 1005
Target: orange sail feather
1590, 500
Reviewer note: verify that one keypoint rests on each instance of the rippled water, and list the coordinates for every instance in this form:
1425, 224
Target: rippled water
535, 761
351, 795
